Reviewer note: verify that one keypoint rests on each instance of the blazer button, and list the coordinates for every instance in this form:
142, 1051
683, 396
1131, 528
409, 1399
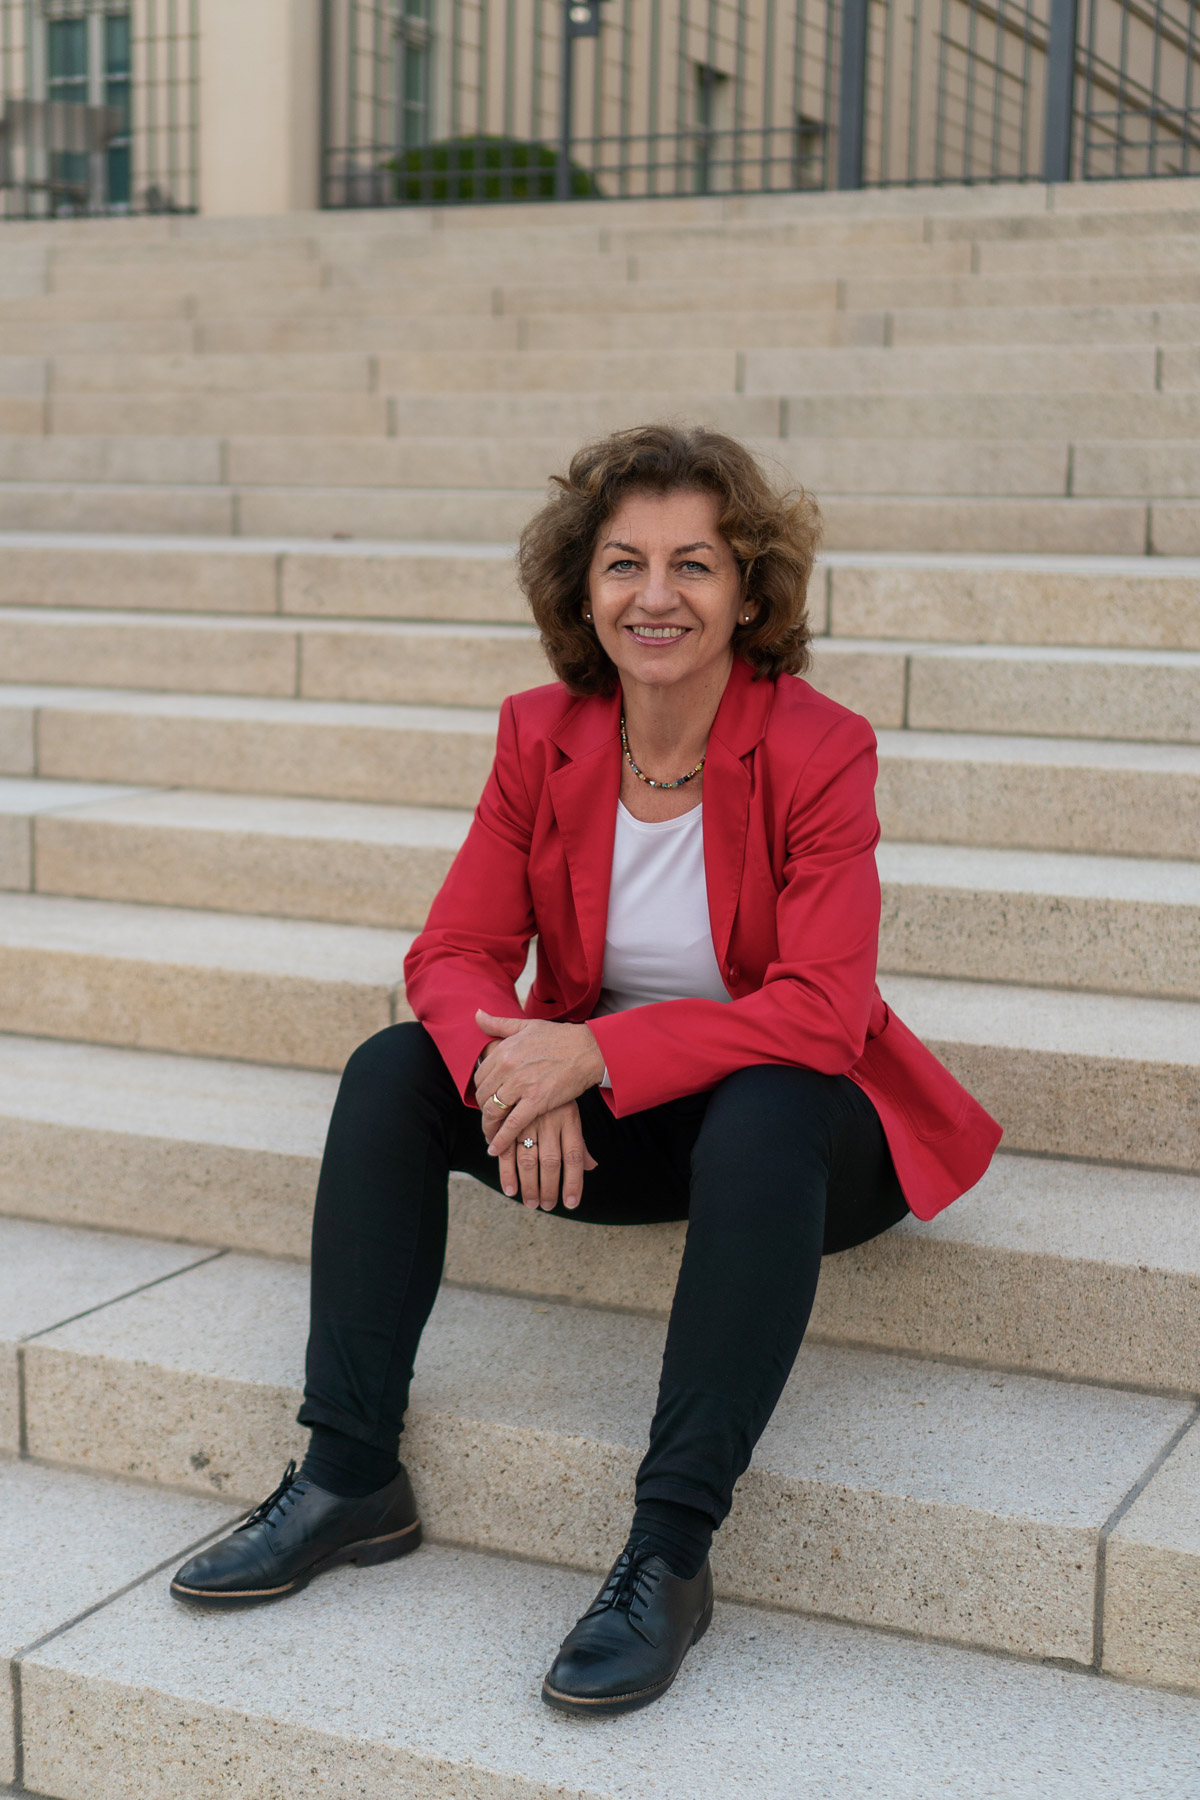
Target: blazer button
733, 972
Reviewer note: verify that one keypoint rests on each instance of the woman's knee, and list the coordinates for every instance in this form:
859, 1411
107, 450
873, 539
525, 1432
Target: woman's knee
398, 1056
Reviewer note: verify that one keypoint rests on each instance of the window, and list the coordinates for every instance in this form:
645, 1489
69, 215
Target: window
414, 33
713, 89
89, 63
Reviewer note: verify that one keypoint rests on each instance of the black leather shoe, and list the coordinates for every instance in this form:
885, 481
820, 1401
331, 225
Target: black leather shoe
627, 1648
298, 1532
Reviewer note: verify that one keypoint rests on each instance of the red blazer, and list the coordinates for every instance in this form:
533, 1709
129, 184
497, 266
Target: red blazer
793, 898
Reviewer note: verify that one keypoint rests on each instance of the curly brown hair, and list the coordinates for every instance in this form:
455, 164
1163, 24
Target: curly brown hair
773, 536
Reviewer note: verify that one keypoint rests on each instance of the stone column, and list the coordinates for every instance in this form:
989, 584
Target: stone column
260, 103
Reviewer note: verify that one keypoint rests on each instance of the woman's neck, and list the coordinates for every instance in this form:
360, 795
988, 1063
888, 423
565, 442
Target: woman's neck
668, 726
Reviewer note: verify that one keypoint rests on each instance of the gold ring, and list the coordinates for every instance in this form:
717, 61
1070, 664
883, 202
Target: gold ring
504, 1105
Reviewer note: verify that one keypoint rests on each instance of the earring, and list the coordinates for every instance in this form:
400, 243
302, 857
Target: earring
588, 617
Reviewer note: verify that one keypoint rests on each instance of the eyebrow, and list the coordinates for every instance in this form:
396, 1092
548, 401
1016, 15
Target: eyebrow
680, 550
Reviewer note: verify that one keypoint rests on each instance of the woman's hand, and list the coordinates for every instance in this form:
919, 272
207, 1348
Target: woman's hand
536, 1066
559, 1157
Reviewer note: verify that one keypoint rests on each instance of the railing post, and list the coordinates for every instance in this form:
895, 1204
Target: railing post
852, 98
1060, 90
581, 19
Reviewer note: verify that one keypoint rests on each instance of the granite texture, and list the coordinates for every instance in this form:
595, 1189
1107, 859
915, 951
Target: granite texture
267, 990
1133, 602
959, 1503
428, 756
145, 1702
1152, 1577
102, 570
70, 1541
49, 1275
338, 861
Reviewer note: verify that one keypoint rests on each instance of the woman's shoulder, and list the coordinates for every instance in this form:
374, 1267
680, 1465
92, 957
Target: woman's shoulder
802, 717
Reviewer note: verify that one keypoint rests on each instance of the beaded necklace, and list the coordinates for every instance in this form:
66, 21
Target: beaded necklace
683, 779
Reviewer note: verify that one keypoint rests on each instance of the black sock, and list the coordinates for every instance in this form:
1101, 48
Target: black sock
681, 1535
344, 1466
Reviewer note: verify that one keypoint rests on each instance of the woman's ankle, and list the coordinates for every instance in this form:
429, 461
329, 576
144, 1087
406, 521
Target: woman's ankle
345, 1466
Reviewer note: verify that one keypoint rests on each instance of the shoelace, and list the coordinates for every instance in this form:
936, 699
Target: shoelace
629, 1587
290, 1489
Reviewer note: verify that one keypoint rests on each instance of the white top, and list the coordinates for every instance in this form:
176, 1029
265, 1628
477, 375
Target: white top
658, 941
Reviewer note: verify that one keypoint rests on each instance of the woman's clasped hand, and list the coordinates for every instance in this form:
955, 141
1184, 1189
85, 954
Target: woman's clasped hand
538, 1068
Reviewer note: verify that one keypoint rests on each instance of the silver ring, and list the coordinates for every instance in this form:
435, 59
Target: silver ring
529, 1143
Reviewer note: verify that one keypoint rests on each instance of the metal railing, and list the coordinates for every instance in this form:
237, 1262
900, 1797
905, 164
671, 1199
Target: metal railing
445, 101
99, 107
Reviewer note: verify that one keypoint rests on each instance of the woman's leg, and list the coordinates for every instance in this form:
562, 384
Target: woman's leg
788, 1164
379, 1241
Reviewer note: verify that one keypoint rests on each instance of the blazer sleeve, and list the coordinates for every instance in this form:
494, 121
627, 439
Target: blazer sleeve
477, 935
815, 1001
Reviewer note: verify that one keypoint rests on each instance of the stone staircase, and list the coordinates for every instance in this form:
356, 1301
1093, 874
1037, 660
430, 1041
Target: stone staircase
258, 485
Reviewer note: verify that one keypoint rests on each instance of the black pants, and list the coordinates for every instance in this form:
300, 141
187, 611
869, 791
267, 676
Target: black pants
772, 1169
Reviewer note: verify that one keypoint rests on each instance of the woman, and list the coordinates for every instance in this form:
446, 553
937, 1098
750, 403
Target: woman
689, 831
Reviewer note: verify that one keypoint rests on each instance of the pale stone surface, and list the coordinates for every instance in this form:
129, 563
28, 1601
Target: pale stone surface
438, 756
310, 859
1159, 471
156, 1704
420, 664
218, 415
180, 1147
467, 515
1057, 416
1175, 528
266, 990
17, 756
419, 580
1025, 369
1133, 602
180, 654
470, 462
1037, 793
874, 1486
122, 460
1152, 1574
88, 509
68, 1543
97, 373
1133, 694
924, 466
1110, 923
48, 1275
570, 371
579, 416
1068, 1074
107, 570
1061, 527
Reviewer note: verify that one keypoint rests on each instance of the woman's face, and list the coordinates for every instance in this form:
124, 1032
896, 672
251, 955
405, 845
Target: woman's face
664, 590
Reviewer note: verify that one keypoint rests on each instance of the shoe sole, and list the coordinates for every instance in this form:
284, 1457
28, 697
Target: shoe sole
366, 1553
606, 1704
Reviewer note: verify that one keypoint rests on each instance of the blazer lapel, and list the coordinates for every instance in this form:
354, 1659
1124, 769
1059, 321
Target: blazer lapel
583, 793
739, 725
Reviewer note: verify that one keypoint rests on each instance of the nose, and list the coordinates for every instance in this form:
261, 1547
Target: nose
658, 593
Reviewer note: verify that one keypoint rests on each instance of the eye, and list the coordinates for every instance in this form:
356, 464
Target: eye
622, 562
691, 563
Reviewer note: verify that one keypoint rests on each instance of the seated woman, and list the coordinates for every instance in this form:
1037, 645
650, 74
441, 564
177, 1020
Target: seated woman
689, 831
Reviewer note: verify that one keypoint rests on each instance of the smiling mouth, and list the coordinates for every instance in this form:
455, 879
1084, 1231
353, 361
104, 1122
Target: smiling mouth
660, 634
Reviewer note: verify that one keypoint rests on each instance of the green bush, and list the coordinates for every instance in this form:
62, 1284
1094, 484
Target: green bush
475, 169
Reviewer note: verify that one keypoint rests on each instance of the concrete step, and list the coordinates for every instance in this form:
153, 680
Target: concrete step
55, 1573
1055, 415
1110, 924
1073, 325
1034, 793
766, 1704
1030, 369
1136, 601
421, 580
415, 662
1012, 792
1142, 695
1114, 924
171, 461
328, 860
50, 1276
1126, 602
964, 1505
1079, 1270
216, 984
1115, 527
1106, 1077
1129, 286
314, 414
424, 756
